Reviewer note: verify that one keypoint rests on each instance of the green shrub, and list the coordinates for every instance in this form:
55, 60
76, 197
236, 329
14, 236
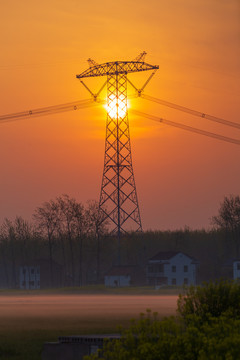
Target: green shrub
207, 328
210, 300
170, 339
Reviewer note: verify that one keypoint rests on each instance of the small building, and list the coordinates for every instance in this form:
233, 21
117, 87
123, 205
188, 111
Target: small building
231, 269
236, 270
171, 268
29, 277
120, 276
40, 274
75, 347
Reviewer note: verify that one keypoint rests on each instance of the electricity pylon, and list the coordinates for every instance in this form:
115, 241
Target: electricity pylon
118, 198
118, 184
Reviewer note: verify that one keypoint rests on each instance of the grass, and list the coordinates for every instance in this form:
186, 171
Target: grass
27, 344
25, 341
98, 289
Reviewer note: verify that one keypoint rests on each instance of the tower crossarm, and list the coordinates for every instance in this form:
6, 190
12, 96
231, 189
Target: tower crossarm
116, 68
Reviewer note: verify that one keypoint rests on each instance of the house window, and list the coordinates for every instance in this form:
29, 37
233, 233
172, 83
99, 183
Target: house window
150, 269
185, 269
24, 271
238, 266
93, 349
174, 281
32, 271
173, 268
185, 281
160, 268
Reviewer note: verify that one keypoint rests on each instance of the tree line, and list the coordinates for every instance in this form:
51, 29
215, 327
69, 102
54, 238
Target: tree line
74, 235
61, 230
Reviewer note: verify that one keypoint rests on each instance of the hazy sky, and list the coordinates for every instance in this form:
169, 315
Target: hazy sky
181, 177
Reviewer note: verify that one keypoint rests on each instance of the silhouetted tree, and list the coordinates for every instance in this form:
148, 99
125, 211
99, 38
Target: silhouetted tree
72, 222
228, 218
4, 254
46, 218
97, 226
24, 233
9, 234
81, 227
66, 221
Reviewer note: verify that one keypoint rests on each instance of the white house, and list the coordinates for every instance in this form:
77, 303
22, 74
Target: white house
120, 276
41, 274
171, 268
29, 277
236, 269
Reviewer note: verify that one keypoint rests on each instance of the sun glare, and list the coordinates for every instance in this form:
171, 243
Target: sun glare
117, 106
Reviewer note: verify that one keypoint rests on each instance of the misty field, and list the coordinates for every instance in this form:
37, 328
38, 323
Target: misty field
27, 321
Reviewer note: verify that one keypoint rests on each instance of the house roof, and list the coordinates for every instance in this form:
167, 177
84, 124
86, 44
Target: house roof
167, 255
85, 339
164, 255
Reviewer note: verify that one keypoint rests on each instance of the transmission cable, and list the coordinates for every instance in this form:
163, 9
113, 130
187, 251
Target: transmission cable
190, 111
186, 127
75, 105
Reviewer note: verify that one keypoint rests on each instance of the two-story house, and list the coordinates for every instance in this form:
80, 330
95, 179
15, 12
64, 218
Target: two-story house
171, 268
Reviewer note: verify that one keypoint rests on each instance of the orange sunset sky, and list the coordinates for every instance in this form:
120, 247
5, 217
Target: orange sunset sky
181, 177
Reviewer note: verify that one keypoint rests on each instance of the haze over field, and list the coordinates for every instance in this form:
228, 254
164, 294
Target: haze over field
85, 311
180, 177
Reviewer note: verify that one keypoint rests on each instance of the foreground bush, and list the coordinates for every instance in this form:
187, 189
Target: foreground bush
204, 330
210, 300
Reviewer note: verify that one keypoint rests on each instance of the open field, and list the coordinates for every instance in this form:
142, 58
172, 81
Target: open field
27, 321
98, 289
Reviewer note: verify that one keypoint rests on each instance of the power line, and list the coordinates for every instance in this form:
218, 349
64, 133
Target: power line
76, 105
186, 127
48, 110
192, 112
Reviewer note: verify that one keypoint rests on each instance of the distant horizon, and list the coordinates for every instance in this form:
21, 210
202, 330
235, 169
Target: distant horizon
29, 217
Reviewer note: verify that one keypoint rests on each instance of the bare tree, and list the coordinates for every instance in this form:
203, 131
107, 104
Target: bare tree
3, 251
228, 217
9, 234
46, 218
61, 237
97, 225
24, 233
81, 227
67, 224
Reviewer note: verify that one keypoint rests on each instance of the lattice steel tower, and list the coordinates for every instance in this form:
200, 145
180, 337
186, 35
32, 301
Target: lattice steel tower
118, 199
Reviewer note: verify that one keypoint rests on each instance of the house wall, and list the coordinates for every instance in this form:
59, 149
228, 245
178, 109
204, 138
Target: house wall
117, 280
58, 351
178, 270
185, 271
29, 277
236, 270
75, 347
